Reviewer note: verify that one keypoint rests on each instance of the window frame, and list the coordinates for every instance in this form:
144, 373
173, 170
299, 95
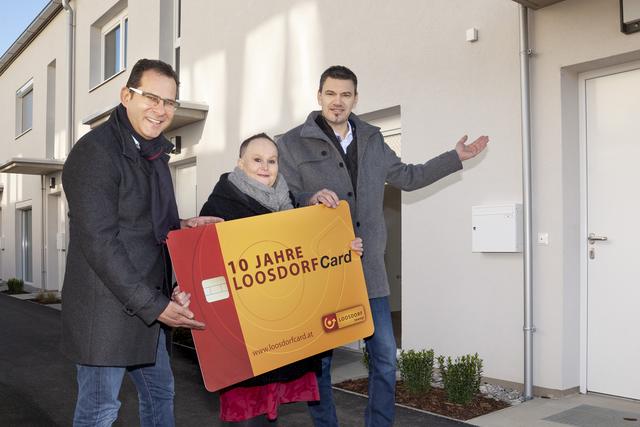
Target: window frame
177, 21
121, 20
177, 35
21, 94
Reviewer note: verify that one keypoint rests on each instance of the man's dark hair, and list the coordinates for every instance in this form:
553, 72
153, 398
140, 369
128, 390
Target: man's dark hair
156, 65
339, 72
246, 142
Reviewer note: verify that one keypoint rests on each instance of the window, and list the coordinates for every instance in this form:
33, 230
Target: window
50, 118
24, 108
108, 40
114, 46
178, 18
186, 189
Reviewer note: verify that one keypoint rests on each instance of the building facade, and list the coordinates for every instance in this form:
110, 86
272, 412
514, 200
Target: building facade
247, 67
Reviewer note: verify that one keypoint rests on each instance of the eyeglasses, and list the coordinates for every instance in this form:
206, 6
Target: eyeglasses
155, 100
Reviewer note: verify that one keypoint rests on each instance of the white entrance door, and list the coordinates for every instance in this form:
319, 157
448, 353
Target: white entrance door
61, 240
612, 135
56, 241
26, 245
186, 191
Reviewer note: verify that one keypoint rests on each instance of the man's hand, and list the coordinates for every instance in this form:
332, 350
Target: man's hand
180, 297
179, 317
466, 152
326, 197
356, 246
198, 221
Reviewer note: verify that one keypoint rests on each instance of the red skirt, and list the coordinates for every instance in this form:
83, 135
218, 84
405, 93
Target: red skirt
242, 403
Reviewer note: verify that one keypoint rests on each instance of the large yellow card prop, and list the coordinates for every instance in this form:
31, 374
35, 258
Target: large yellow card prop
272, 289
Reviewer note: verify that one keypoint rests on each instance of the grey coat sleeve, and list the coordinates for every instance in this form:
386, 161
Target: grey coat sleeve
91, 182
410, 177
289, 169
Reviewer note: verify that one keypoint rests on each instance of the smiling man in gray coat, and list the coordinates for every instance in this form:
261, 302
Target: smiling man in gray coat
334, 155
117, 286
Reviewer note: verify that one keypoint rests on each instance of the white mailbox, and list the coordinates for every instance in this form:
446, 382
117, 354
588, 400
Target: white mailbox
496, 228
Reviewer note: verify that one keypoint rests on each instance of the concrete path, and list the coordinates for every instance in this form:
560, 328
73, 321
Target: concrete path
578, 410
37, 384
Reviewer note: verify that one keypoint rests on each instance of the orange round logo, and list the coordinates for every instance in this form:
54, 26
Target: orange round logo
329, 322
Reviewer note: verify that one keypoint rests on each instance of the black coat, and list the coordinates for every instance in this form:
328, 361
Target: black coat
228, 202
113, 284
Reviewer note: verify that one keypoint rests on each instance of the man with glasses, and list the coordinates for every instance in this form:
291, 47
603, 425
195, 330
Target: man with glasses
117, 298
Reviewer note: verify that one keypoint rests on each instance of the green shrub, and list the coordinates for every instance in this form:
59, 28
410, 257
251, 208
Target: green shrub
461, 377
365, 358
416, 370
16, 286
47, 298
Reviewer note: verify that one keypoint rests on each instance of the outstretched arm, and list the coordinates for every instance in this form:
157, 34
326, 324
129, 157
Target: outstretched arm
410, 177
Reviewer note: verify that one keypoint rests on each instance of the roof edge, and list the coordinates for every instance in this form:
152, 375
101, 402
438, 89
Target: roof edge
31, 166
537, 4
38, 24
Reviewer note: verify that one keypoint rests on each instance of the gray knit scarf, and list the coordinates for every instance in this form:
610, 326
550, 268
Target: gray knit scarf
274, 198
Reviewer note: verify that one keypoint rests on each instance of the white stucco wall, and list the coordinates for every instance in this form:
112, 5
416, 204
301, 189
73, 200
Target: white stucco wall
143, 42
26, 189
49, 45
568, 37
257, 66
456, 301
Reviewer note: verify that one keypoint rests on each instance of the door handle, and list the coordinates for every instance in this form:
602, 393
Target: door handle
593, 238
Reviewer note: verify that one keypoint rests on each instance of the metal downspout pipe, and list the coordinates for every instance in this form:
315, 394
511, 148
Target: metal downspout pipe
71, 88
528, 328
43, 225
71, 75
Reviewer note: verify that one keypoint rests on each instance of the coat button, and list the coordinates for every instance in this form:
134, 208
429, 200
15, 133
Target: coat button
341, 164
324, 153
357, 223
350, 194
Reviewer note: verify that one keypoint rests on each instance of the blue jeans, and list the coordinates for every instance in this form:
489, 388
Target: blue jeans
323, 412
99, 386
381, 347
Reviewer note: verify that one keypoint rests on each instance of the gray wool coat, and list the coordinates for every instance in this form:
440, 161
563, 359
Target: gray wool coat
112, 292
309, 161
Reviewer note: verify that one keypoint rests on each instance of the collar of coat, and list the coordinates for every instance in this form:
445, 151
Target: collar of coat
125, 138
310, 129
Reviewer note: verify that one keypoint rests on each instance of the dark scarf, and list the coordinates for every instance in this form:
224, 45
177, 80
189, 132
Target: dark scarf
350, 158
275, 198
164, 210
